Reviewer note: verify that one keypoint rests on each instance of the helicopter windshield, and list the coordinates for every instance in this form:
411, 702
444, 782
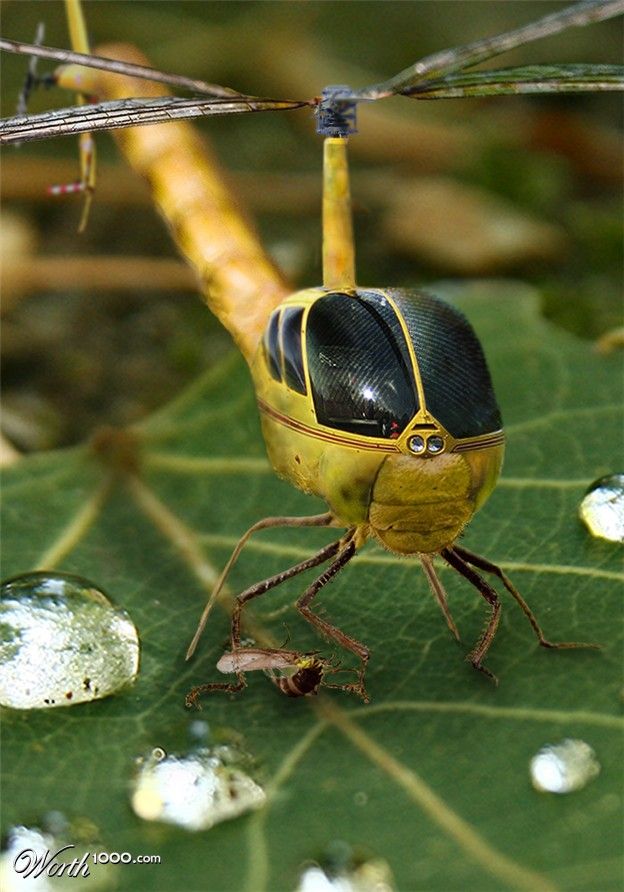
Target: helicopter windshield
360, 368
455, 377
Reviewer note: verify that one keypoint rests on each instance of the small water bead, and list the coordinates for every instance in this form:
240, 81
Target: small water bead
564, 767
345, 869
62, 642
195, 791
602, 508
19, 839
369, 876
199, 731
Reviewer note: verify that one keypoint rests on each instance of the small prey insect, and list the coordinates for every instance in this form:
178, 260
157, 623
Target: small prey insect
295, 674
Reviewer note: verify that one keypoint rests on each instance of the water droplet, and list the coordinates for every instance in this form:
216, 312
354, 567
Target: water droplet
564, 767
63, 642
195, 791
360, 798
27, 849
602, 508
199, 730
342, 871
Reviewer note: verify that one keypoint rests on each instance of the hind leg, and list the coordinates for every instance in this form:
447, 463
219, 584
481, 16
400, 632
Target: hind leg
488, 567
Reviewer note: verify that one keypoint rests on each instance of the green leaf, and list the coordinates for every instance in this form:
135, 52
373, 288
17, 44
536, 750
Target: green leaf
433, 775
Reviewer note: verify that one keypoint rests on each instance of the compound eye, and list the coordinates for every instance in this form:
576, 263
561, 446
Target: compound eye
416, 445
435, 444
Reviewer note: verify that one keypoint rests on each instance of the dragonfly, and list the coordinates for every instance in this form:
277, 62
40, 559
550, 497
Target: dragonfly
353, 405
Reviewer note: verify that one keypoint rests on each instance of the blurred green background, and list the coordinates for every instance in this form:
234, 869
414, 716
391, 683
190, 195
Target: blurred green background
434, 185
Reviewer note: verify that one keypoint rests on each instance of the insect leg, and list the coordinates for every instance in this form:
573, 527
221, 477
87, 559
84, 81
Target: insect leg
488, 567
261, 587
482, 646
31, 80
332, 632
192, 698
316, 520
80, 42
438, 592
258, 589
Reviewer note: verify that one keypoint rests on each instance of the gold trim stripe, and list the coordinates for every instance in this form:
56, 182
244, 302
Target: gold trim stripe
496, 438
484, 442
319, 434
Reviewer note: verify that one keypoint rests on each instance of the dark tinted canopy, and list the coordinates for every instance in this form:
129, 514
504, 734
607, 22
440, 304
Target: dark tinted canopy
359, 365
271, 346
456, 381
291, 346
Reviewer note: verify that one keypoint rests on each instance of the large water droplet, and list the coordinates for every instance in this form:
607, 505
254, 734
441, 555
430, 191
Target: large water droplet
602, 508
62, 642
41, 860
195, 791
564, 767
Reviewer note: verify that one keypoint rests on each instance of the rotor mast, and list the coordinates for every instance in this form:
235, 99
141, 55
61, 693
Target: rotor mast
336, 121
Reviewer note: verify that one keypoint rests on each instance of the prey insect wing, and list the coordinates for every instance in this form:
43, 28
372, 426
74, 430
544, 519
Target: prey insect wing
250, 659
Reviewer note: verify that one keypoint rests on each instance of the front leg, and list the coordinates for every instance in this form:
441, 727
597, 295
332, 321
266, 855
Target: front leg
328, 630
255, 591
477, 654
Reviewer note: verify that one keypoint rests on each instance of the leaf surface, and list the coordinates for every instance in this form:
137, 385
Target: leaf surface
433, 775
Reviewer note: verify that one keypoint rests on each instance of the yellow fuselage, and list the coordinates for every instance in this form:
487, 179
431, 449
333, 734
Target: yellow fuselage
410, 503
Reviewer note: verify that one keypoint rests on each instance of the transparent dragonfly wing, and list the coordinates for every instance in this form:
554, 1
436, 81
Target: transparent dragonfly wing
527, 79
115, 66
434, 77
122, 113
116, 114
457, 58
